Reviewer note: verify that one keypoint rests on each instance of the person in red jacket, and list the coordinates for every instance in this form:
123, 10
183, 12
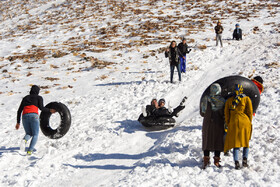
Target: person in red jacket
29, 109
258, 82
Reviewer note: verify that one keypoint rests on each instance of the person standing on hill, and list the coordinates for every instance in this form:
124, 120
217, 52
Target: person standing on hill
237, 33
172, 53
213, 125
258, 81
219, 30
183, 50
238, 118
29, 108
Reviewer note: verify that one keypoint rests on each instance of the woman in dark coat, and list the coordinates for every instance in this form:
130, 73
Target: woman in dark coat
213, 125
173, 55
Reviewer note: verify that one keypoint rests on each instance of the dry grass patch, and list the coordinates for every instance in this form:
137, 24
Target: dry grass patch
202, 47
51, 79
273, 65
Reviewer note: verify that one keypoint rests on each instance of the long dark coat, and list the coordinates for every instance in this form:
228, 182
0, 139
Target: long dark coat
213, 130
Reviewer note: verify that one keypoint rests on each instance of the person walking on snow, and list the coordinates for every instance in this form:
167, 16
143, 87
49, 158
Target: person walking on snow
172, 53
219, 30
237, 33
183, 50
30, 118
238, 118
213, 125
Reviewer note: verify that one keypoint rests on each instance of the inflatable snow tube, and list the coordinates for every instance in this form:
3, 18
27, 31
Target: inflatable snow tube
65, 122
228, 84
159, 122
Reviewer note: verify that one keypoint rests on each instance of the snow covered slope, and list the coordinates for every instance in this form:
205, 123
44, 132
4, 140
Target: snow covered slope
104, 60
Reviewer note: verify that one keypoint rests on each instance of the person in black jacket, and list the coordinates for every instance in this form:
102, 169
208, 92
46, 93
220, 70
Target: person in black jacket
29, 109
162, 111
219, 30
237, 33
173, 55
150, 109
183, 50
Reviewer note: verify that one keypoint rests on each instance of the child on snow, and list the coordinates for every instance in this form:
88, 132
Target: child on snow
30, 118
237, 33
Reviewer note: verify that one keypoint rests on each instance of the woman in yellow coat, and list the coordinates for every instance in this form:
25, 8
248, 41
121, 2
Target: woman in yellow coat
238, 118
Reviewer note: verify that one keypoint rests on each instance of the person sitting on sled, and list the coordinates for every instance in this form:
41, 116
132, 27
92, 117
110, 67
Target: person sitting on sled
162, 111
150, 109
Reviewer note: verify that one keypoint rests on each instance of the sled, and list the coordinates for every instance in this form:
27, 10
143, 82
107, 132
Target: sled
157, 122
228, 84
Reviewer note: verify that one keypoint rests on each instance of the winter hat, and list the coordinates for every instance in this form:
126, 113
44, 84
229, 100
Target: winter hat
34, 90
259, 79
184, 39
237, 25
215, 89
161, 101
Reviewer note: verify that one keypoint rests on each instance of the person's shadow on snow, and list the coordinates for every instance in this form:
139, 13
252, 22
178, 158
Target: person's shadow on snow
4, 149
152, 152
130, 126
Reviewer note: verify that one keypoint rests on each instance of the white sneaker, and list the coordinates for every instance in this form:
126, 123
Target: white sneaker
144, 111
23, 145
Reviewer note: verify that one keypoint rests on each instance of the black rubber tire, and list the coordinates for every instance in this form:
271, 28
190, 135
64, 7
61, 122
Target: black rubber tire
65, 122
151, 121
228, 84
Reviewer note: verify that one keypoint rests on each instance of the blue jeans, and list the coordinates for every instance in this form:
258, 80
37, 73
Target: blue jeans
31, 126
183, 64
172, 67
236, 151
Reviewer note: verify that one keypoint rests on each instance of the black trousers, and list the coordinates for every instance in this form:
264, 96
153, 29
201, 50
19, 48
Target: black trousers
216, 153
177, 110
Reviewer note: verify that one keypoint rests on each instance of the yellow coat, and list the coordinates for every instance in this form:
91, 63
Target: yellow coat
239, 122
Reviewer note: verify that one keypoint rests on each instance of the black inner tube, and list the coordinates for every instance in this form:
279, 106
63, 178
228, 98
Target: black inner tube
152, 121
65, 121
228, 84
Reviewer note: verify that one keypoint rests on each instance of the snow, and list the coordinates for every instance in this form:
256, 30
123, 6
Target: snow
106, 146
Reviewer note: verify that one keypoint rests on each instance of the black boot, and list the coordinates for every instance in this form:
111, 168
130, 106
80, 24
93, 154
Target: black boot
237, 165
183, 101
244, 162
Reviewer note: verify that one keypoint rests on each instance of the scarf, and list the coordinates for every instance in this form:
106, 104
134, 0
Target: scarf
217, 102
238, 96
